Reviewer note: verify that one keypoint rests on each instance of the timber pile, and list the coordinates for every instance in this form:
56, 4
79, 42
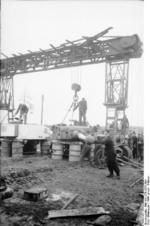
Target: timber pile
130, 162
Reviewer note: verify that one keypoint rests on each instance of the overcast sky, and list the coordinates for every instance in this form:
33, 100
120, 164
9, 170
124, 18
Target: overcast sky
30, 25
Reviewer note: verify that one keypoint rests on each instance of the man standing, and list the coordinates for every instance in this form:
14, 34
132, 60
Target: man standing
111, 156
140, 146
23, 110
86, 148
82, 105
86, 153
135, 147
125, 125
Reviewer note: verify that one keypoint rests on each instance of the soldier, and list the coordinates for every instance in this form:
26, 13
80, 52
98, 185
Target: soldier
82, 105
111, 156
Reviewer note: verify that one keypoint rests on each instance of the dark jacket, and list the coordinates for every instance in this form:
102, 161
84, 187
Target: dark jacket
109, 148
22, 108
82, 105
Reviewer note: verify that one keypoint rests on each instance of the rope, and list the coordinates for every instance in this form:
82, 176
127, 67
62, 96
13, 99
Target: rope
3, 118
76, 75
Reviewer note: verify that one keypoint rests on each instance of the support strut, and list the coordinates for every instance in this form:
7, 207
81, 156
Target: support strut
116, 92
6, 95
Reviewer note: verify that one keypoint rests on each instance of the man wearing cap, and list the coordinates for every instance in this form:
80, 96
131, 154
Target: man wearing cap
111, 156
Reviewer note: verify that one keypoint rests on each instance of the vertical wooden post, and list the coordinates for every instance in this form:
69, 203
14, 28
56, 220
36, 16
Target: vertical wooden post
42, 108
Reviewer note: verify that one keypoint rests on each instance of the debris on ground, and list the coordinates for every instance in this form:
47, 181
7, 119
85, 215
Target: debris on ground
7, 193
70, 201
133, 208
101, 221
137, 181
63, 180
140, 216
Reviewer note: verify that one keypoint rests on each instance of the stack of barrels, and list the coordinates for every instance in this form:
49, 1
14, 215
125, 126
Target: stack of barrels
11, 149
45, 147
57, 151
74, 151
6, 148
17, 149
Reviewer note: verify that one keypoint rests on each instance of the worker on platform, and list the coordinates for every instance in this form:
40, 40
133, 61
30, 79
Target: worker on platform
111, 156
82, 105
23, 110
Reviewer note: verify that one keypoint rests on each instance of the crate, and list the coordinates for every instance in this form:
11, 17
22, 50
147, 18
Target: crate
35, 194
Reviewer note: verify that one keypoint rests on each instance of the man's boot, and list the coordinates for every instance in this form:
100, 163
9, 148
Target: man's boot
110, 175
118, 177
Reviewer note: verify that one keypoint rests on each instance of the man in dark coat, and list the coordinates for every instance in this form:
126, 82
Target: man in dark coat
111, 156
140, 146
135, 145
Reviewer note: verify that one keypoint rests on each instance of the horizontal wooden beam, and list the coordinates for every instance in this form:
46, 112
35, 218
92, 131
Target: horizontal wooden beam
87, 211
71, 53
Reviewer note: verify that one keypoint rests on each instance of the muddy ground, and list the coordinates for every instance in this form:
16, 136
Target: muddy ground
67, 178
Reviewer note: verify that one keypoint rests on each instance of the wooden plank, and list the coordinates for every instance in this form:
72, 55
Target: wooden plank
128, 163
70, 201
87, 211
138, 180
135, 163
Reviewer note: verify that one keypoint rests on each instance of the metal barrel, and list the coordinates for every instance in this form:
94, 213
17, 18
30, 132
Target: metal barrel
45, 147
17, 149
6, 149
57, 151
74, 152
